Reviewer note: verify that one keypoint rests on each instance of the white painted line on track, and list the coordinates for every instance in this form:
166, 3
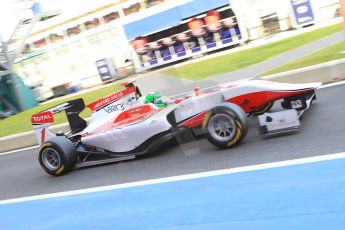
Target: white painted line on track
307, 68
19, 150
179, 178
332, 84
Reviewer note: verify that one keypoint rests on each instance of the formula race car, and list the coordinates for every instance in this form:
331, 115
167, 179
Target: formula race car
126, 124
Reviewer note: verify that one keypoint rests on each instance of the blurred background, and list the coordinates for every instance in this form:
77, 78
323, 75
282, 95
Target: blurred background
57, 47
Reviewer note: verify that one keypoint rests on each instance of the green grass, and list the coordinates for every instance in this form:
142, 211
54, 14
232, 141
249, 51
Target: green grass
330, 53
241, 59
21, 122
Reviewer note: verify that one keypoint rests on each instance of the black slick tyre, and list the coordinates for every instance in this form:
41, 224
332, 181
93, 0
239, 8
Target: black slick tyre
226, 125
57, 156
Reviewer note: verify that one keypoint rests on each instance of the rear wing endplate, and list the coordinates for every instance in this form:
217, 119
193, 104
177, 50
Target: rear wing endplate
42, 120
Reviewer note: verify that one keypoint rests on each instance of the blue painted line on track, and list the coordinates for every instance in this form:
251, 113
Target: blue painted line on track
308, 196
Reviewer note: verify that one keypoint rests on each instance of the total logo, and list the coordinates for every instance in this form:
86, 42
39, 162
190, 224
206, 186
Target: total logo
45, 117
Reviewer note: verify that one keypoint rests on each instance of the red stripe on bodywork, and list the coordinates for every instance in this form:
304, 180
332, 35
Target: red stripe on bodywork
127, 117
135, 112
43, 135
194, 121
248, 102
110, 99
251, 101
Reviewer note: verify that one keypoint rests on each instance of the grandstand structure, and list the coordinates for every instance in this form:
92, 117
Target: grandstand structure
87, 39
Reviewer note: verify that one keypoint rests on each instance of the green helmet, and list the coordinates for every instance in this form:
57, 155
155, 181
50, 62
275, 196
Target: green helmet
156, 99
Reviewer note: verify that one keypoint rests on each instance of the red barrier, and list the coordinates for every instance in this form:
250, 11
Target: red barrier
139, 44
212, 21
195, 25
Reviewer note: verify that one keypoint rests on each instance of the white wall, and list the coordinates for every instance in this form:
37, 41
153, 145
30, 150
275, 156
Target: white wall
325, 9
252, 10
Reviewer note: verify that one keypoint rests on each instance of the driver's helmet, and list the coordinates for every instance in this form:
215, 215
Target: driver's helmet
156, 99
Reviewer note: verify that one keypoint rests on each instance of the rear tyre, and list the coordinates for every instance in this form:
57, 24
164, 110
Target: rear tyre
263, 109
226, 125
57, 156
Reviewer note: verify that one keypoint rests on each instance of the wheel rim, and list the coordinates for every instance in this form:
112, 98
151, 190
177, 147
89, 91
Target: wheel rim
51, 159
222, 127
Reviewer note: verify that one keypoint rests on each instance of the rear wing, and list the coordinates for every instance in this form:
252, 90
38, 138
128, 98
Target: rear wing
43, 120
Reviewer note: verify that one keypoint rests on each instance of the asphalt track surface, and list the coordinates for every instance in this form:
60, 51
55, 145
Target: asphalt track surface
322, 132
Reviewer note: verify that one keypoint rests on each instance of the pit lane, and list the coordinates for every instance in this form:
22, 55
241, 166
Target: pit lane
322, 132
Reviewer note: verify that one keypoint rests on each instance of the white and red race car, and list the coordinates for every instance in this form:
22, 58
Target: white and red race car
124, 125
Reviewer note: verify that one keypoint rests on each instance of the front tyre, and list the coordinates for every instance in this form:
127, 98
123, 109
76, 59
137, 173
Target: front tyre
57, 156
226, 125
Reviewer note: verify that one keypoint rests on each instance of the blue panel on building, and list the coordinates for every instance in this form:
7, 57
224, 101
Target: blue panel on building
153, 23
170, 17
167, 58
181, 54
199, 6
211, 45
226, 41
154, 62
198, 49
